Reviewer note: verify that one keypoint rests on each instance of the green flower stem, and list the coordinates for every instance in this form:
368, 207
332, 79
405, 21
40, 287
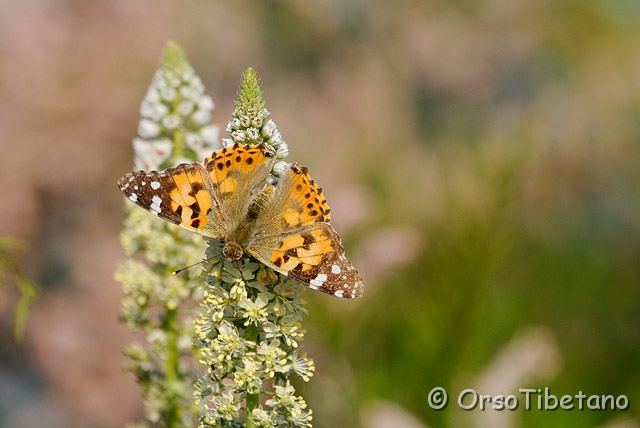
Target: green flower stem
178, 147
9, 267
253, 400
171, 369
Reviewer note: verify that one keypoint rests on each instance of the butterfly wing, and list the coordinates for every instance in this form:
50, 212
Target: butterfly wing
210, 198
292, 236
238, 173
183, 195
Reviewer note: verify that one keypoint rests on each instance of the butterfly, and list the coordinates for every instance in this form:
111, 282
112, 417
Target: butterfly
227, 198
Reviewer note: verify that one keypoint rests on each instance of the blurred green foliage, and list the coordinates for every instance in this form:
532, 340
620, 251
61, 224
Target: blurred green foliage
549, 138
10, 272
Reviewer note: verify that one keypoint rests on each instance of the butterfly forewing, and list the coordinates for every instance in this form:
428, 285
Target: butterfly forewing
237, 174
182, 195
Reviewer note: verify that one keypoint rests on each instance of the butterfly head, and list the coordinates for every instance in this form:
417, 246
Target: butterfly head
232, 251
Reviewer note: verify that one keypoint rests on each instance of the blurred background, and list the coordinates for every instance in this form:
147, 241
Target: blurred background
482, 162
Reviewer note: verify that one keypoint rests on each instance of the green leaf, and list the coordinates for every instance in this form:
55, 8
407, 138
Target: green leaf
29, 293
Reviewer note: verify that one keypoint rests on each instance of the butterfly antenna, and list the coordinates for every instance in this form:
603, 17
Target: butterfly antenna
175, 272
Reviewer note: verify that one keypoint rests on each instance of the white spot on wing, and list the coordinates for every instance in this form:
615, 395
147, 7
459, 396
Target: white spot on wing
133, 197
155, 185
313, 286
335, 269
318, 280
155, 205
339, 293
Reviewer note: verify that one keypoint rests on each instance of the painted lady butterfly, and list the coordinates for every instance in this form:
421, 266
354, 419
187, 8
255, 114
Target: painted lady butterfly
227, 198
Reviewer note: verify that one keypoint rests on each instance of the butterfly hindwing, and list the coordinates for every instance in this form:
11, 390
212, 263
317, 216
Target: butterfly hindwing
297, 201
313, 255
292, 236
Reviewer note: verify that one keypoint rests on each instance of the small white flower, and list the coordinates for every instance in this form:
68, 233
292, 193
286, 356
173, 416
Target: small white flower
187, 74
157, 336
262, 419
196, 83
147, 109
163, 148
228, 330
144, 156
252, 134
160, 110
168, 93
268, 128
280, 167
201, 117
173, 80
171, 122
190, 93
227, 142
282, 151
238, 136
247, 377
158, 81
141, 146
150, 155
194, 141
303, 367
226, 406
254, 310
152, 95
185, 108
258, 121
206, 103
148, 128
276, 139
210, 134
271, 180
245, 121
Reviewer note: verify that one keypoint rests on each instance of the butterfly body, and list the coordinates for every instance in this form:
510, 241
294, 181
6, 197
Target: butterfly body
227, 198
